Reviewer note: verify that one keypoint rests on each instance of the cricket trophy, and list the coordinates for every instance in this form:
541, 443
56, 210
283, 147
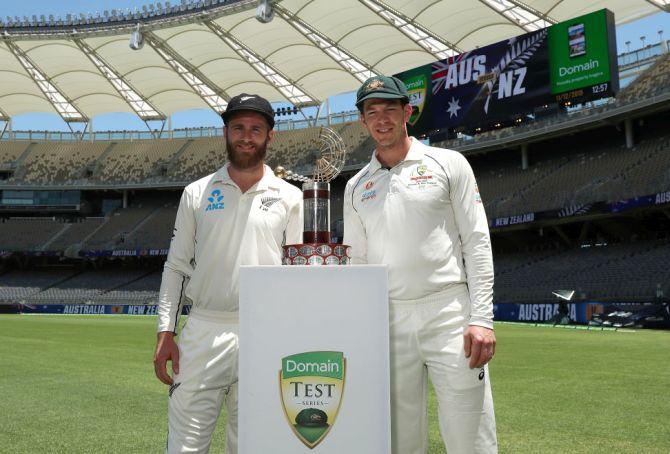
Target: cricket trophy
317, 248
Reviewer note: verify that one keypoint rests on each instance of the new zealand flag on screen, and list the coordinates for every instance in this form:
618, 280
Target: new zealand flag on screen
482, 86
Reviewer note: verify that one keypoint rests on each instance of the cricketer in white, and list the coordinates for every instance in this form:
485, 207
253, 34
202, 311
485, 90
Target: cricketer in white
417, 210
240, 215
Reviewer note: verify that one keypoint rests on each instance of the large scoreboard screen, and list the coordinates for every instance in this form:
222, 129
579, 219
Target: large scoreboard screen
572, 61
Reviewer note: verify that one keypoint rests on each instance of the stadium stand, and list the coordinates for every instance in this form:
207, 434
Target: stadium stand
652, 82
134, 162
142, 290
118, 226
75, 233
610, 272
159, 160
63, 162
198, 158
646, 170
10, 153
155, 231
17, 285
616, 259
604, 171
86, 286
27, 233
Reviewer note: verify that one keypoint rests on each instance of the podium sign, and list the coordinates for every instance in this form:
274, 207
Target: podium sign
314, 360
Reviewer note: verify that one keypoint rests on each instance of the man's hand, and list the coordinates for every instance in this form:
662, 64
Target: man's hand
166, 350
479, 344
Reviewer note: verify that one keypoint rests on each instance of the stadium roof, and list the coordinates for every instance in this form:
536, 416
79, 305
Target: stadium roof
200, 53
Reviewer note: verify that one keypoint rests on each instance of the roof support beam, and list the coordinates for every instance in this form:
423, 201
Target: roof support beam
663, 5
215, 98
432, 43
287, 87
4, 127
520, 14
141, 105
63, 105
355, 66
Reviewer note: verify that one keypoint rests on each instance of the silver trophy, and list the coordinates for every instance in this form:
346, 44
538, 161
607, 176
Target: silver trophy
317, 248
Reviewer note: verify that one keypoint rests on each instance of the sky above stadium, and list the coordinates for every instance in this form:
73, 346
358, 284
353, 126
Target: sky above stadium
631, 32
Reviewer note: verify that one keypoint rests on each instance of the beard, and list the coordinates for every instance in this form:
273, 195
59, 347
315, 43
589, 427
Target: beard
243, 161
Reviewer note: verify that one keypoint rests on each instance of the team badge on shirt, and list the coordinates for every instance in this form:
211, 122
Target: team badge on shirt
311, 386
267, 202
421, 177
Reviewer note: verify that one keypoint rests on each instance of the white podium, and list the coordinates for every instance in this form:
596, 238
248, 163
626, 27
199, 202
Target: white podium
314, 360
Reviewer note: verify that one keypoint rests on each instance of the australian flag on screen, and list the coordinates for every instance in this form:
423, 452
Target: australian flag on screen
493, 83
501, 81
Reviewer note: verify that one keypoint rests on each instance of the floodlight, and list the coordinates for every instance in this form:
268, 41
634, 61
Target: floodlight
264, 11
136, 39
564, 294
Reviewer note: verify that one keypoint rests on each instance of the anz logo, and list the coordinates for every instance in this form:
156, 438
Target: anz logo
215, 201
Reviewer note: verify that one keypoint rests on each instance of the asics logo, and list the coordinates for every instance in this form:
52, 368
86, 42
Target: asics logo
215, 201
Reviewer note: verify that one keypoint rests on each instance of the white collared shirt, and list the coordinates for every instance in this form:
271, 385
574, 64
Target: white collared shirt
425, 220
217, 229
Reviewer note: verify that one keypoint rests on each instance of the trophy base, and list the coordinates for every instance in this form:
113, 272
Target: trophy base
315, 254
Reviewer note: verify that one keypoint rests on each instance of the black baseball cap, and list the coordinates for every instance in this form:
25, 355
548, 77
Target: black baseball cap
255, 103
384, 87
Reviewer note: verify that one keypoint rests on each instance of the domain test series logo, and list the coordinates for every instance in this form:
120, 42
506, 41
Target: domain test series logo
311, 386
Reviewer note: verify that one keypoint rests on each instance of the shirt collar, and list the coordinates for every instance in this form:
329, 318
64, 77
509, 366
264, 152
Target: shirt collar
415, 153
268, 181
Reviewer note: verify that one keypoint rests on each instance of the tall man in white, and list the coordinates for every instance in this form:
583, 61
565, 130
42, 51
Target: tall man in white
417, 210
239, 215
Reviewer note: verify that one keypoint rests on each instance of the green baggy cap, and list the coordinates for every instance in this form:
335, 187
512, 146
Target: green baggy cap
384, 87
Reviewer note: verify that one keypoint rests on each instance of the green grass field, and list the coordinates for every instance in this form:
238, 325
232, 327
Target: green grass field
85, 384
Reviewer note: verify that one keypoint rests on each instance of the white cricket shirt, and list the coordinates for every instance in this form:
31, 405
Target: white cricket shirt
425, 220
217, 229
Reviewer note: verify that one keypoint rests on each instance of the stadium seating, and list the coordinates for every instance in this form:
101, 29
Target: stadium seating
596, 172
136, 161
563, 174
156, 230
141, 290
75, 233
199, 158
631, 271
59, 162
618, 271
157, 160
17, 285
27, 234
651, 82
10, 152
118, 226
87, 286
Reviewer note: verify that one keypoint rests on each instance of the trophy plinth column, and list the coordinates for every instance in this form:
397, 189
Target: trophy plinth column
316, 209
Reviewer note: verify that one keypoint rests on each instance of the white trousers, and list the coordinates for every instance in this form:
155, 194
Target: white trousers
427, 340
208, 365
